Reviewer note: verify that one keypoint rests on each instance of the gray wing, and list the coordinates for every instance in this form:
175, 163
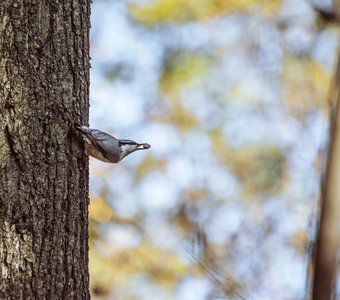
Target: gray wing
105, 143
100, 135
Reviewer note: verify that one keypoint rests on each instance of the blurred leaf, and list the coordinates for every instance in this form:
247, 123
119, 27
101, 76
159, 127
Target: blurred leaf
260, 169
93, 231
305, 80
182, 68
102, 272
299, 241
100, 210
178, 116
193, 195
179, 11
161, 266
179, 71
148, 165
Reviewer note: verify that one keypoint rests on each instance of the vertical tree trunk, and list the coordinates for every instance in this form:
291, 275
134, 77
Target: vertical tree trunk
44, 83
328, 234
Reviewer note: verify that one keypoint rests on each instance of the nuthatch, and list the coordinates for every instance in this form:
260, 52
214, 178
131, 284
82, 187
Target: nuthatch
105, 147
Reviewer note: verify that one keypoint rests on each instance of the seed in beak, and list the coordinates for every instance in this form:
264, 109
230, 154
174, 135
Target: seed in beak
145, 146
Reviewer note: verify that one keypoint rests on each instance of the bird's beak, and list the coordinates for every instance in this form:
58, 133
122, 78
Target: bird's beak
143, 146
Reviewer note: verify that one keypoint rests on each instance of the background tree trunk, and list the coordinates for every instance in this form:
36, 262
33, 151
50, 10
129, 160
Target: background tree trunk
44, 84
328, 235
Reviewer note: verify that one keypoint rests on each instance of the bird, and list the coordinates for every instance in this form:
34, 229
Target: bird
105, 147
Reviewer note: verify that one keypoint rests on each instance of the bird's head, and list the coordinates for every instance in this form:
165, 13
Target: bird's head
128, 147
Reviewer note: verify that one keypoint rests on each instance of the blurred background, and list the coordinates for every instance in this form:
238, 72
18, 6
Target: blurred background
232, 96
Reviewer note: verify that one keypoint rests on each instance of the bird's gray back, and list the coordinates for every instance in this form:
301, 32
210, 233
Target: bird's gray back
108, 143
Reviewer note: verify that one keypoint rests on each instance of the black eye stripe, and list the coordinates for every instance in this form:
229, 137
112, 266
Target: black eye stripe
127, 143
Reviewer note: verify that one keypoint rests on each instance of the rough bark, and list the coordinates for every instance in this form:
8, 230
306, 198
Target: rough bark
44, 83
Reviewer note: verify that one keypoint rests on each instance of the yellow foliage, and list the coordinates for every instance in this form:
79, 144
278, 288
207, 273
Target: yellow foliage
100, 210
260, 169
193, 195
299, 240
178, 116
307, 81
103, 276
181, 68
149, 164
161, 266
179, 11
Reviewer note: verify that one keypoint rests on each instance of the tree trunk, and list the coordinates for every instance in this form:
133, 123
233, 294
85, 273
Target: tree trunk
328, 235
44, 84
